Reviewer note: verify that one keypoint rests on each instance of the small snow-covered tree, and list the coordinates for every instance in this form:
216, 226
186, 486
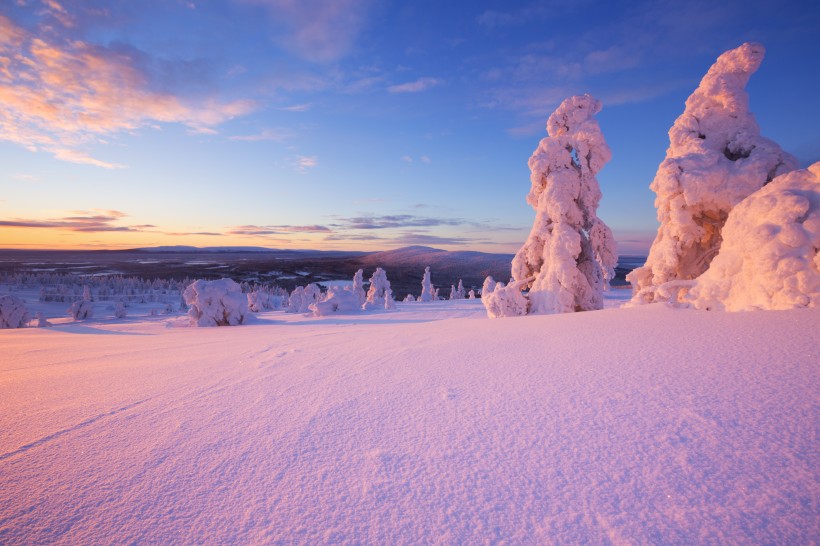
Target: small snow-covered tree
216, 303
769, 256
82, 309
570, 254
311, 295
428, 291
295, 300
13, 312
119, 310
42, 322
471, 295
505, 301
358, 287
457, 293
716, 158
488, 286
379, 295
337, 300
409, 298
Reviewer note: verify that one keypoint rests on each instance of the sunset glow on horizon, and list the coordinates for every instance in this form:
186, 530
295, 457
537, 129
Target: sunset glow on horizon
354, 125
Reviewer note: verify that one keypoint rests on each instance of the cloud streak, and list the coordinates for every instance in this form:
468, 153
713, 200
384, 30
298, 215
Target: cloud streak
83, 221
421, 84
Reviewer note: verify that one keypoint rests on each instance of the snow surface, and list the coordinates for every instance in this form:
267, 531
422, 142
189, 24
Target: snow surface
643, 425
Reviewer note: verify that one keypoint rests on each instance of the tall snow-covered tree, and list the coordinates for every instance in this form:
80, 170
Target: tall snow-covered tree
428, 291
570, 254
716, 158
358, 287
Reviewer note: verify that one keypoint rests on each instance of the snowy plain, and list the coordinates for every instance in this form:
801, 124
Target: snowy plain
429, 425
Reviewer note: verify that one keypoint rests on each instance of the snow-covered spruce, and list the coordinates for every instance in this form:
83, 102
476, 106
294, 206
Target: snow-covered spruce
409, 298
769, 257
119, 310
215, 303
337, 300
13, 312
379, 295
457, 293
428, 291
716, 158
358, 287
570, 254
295, 300
82, 309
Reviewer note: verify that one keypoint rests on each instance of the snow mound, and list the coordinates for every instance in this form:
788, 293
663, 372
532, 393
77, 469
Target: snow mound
216, 303
716, 158
13, 312
570, 254
769, 257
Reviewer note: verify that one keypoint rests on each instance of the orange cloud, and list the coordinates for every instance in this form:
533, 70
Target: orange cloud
60, 97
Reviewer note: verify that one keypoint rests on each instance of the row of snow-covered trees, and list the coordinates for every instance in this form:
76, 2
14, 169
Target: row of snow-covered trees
739, 225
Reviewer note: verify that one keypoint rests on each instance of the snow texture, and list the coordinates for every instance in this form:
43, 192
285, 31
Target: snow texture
716, 158
583, 428
13, 312
570, 254
215, 303
769, 256
379, 294
428, 291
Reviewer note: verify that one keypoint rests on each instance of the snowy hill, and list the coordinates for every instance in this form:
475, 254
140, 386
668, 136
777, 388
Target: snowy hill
433, 424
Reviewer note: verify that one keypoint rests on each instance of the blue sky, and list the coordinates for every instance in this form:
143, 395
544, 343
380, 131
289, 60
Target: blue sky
355, 124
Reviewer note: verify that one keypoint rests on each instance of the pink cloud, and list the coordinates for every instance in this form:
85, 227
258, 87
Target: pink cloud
62, 96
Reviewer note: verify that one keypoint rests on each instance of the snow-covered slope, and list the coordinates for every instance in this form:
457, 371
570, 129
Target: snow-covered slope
428, 425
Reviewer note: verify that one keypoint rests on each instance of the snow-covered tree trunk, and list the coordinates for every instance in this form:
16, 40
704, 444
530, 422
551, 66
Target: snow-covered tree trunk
716, 158
428, 291
570, 254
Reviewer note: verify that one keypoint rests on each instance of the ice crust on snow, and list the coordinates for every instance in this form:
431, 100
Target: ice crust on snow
716, 158
13, 312
570, 254
769, 256
215, 303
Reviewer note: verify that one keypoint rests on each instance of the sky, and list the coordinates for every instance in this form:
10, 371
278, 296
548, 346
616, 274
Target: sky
356, 124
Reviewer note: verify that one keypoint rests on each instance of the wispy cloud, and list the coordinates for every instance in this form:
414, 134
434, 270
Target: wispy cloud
304, 163
253, 230
392, 221
61, 95
279, 134
421, 84
317, 30
296, 108
81, 221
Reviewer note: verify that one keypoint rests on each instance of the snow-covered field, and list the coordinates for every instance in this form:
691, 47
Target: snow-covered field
431, 424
